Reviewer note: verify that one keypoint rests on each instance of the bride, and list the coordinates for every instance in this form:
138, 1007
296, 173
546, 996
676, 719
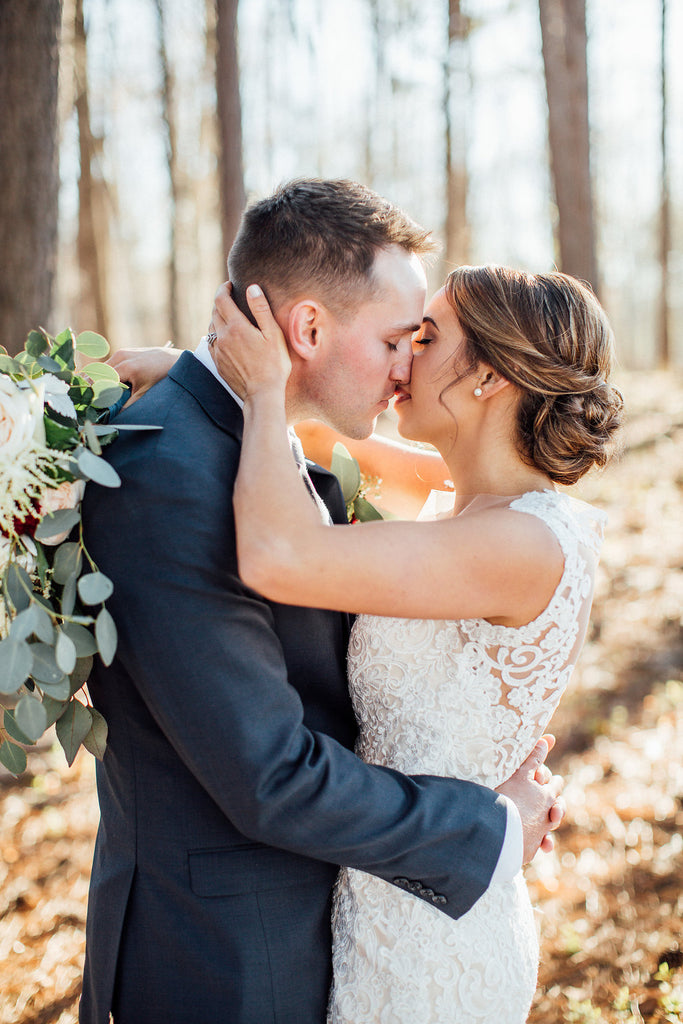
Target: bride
469, 624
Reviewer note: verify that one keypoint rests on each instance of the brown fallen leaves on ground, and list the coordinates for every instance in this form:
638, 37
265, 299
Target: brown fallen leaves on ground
609, 898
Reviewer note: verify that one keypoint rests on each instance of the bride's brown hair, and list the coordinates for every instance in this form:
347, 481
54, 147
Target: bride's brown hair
549, 336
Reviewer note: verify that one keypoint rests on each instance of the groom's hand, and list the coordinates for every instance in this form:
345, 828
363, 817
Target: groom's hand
536, 793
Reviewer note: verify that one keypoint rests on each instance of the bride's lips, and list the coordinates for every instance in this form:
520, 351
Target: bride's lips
401, 395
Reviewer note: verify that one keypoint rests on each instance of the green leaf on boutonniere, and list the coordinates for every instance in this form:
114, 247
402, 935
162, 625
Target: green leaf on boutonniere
347, 471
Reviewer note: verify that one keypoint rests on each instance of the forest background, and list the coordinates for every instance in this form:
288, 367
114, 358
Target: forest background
538, 133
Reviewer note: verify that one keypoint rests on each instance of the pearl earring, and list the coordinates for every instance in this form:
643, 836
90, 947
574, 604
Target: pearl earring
478, 392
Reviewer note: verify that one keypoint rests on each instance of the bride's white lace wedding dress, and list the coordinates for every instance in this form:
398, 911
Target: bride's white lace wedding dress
466, 699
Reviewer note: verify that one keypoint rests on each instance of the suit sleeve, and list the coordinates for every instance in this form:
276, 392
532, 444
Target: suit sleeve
206, 660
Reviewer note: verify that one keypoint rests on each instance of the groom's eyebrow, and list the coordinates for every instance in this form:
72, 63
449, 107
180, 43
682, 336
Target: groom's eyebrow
401, 329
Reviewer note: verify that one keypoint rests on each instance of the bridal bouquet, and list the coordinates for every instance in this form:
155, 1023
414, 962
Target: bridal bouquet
53, 615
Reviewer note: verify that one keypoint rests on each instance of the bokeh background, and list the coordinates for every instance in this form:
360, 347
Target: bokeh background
539, 133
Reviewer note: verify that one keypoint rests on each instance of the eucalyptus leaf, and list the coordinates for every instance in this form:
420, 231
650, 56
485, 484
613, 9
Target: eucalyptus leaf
68, 601
36, 343
95, 588
72, 728
63, 349
83, 640
12, 729
106, 635
51, 365
9, 365
58, 522
31, 717
80, 674
67, 561
54, 709
137, 426
16, 660
96, 740
13, 757
65, 653
365, 511
60, 690
45, 668
92, 345
346, 469
92, 438
18, 586
34, 620
98, 469
107, 397
100, 373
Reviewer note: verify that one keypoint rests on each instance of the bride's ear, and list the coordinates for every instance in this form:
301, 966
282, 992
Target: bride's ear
489, 381
303, 328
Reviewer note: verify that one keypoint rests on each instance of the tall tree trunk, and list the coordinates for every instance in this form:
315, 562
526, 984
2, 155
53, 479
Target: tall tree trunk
92, 231
29, 172
168, 116
563, 31
456, 101
233, 197
663, 344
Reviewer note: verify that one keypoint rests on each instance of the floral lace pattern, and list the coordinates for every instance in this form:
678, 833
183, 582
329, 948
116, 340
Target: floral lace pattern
466, 699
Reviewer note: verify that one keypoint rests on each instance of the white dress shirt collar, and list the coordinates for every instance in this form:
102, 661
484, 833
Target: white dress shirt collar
203, 354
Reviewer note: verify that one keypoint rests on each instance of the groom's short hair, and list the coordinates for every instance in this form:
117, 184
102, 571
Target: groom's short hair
322, 235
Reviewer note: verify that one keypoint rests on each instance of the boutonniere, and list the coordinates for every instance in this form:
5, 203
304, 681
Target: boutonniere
354, 486
53, 614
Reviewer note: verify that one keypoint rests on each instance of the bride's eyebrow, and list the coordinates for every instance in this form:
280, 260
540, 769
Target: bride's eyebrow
430, 320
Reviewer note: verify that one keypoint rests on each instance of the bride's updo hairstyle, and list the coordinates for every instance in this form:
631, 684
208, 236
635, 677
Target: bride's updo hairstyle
549, 336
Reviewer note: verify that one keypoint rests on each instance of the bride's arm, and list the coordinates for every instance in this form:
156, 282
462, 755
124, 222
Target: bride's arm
494, 565
407, 474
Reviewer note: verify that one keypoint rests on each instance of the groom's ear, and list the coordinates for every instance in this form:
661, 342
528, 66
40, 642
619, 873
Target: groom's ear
304, 324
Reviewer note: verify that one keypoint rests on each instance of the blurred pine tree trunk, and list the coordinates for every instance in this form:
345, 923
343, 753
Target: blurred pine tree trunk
563, 31
170, 132
92, 219
663, 340
229, 121
456, 101
29, 170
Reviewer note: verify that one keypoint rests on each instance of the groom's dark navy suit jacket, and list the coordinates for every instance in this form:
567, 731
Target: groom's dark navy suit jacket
228, 791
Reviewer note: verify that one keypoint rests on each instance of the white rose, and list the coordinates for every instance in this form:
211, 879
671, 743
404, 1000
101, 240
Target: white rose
21, 414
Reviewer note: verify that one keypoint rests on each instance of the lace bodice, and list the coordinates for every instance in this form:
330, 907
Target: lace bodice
466, 698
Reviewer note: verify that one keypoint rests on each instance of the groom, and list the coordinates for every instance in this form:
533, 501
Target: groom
229, 793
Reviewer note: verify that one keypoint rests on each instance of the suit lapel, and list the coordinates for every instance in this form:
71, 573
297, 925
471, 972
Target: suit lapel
220, 407
216, 402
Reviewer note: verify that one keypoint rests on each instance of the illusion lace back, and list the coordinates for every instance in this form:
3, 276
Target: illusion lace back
466, 699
